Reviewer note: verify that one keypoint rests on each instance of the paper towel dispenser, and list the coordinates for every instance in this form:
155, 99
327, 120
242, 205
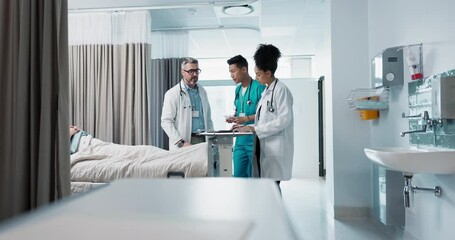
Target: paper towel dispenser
387, 68
443, 102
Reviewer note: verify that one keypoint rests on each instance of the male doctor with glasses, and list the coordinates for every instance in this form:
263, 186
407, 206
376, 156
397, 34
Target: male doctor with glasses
186, 109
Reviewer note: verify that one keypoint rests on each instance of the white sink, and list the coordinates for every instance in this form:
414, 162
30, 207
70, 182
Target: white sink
414, 160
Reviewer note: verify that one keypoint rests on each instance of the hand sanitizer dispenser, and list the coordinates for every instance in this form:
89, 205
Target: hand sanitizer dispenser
387, 68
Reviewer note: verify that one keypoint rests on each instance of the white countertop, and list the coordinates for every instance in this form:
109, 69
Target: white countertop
203, 208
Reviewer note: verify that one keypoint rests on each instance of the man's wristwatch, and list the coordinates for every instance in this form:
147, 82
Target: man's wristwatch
180, 143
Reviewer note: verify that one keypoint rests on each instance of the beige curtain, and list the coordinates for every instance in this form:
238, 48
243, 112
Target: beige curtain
34, 139
108, 85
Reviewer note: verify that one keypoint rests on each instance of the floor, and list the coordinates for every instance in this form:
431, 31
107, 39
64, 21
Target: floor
305, 202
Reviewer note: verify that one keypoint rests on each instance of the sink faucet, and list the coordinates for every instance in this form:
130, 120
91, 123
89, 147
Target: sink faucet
424, 129
426, 122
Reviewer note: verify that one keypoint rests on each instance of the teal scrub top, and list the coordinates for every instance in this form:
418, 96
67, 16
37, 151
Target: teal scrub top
253, 94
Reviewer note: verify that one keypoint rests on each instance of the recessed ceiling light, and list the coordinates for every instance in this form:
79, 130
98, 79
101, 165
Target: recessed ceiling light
238, 10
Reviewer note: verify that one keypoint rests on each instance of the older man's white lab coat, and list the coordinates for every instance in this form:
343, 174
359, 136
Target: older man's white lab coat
177, 114
275, 131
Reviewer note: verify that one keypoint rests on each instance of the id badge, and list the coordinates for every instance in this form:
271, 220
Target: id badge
242, 115
195, 114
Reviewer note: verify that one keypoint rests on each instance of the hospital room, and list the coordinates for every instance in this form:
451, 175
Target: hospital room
227, 119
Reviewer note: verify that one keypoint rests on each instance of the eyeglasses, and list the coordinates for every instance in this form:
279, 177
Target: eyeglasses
193, 71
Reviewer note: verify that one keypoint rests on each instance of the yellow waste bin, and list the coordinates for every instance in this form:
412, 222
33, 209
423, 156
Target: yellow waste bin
369, 114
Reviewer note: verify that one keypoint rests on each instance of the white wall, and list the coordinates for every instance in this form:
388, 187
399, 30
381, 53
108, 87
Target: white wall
401, 22
323, 67
306, 145
350, 63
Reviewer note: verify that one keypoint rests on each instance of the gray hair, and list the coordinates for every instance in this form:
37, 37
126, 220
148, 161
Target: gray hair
187, 60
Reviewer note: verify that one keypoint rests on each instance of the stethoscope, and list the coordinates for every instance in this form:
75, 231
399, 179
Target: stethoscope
248, 102
270, 104
181, 95
181, 90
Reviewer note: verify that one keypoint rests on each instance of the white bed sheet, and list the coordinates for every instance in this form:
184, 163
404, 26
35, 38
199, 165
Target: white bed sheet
101, 162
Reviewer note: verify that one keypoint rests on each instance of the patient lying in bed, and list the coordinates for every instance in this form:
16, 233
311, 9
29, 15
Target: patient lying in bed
101, 162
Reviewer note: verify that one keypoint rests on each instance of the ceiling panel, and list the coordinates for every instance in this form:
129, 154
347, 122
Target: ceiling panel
279, 7
209, 44
295, 26
252, 22
242, 41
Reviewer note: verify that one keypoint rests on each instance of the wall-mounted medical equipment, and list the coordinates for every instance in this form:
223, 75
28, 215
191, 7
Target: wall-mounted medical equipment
368, 101
413, 55
387, 68
443, 102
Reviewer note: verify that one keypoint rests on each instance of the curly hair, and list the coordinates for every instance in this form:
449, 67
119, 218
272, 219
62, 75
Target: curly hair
266, 57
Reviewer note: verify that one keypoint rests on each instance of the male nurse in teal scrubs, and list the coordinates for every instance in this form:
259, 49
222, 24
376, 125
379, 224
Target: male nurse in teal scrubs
247, 95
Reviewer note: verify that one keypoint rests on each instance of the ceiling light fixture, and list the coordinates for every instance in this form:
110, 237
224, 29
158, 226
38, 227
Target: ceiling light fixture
238, 10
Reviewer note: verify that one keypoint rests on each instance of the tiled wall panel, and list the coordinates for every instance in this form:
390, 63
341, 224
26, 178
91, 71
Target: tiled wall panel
420, 101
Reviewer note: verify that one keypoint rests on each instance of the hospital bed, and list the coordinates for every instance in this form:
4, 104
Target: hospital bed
97, 163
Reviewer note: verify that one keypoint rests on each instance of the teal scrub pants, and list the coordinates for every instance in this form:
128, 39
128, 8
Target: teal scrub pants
242, 160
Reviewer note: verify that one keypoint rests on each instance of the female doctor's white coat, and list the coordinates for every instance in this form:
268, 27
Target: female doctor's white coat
275, 130
176, 115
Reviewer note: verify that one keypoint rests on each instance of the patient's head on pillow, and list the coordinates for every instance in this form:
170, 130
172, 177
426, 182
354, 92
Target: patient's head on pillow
74, 130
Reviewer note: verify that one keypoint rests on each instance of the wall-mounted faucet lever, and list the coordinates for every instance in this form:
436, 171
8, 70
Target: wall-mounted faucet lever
403, 115
424, 129
426, 121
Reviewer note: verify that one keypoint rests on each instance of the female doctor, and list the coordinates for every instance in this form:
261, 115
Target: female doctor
274, 121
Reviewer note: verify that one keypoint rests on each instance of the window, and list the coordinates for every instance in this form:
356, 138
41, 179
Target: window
288, 67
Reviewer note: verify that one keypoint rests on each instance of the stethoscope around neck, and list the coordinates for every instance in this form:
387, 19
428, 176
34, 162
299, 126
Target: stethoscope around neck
184, 93
270, 104
248, 102
181, 90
